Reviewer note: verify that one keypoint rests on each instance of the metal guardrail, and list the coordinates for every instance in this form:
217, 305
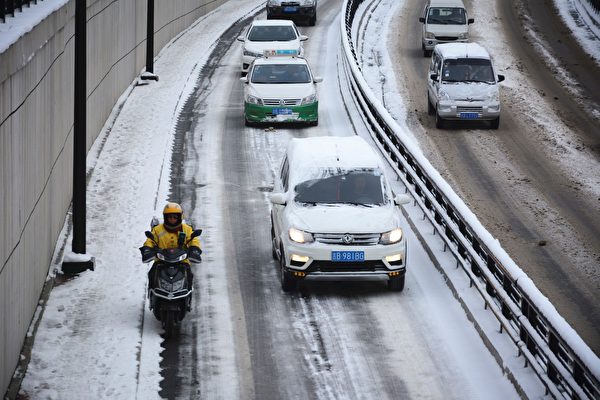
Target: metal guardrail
9, 7
557, 359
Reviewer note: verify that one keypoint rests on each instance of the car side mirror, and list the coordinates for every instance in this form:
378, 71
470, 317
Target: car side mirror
278, 198
317, 79
241, 39
244, 79
434, 77
401, 199
303, 38
471, 20
500, 78
422, 19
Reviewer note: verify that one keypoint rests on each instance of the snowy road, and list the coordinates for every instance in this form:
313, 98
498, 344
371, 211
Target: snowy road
245, 338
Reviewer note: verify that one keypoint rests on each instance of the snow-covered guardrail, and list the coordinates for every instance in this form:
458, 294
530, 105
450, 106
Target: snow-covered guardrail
565, 365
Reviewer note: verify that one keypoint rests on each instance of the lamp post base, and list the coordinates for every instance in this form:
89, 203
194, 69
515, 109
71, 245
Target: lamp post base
78, 266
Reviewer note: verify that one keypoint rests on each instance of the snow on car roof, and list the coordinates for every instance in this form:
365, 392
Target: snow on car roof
272, 22
462, 50
280, 60
446, 3
308, 157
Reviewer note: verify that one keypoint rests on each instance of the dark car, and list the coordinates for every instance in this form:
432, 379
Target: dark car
294, 9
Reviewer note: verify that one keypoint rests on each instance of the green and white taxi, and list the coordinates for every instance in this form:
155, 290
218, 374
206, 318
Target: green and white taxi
280, 87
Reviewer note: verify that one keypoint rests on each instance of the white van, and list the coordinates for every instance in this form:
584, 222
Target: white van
444, 21
462, 84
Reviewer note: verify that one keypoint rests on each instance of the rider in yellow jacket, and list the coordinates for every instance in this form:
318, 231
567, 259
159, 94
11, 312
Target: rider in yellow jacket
166, 235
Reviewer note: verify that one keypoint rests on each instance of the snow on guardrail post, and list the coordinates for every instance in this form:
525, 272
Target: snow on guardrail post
565, 365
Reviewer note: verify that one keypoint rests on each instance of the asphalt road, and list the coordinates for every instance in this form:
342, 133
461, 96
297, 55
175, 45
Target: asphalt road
351, 340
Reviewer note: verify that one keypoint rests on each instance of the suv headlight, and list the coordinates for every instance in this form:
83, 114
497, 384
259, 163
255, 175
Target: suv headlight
273, 2
391, 237
444, 95
252, 54
429, 35
310, 99
298, 236
463, 36
254, 100
307, 2
494, 97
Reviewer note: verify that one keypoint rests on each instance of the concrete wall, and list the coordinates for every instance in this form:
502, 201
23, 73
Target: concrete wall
36, 128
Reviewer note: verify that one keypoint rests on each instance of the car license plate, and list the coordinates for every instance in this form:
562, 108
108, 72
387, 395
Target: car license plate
289, 9
469, 115
282, 111
348, 256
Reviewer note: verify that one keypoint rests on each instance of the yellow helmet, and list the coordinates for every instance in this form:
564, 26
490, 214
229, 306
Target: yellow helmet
172, 209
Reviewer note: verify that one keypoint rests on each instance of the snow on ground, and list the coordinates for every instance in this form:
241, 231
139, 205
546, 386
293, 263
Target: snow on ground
92, 314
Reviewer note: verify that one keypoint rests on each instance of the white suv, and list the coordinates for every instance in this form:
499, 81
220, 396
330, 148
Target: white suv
334, 216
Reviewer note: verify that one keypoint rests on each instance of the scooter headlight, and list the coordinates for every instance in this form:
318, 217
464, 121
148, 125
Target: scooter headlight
165, 285
178, 285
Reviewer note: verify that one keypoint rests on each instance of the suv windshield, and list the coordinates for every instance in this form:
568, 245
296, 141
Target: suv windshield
356, 187
467, 70
280, 73
446, 16
272, 34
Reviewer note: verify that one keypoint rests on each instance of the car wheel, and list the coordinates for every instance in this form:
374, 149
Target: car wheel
313, 20
288, 282
430, 108
439, 121
248, 123
396, 284
495, 123
314, 123
426, 53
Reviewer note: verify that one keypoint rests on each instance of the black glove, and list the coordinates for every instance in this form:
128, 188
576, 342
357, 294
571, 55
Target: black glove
148, 253
194, 254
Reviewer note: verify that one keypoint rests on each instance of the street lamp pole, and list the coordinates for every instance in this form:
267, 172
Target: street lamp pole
79, 130
149, 74
79, 263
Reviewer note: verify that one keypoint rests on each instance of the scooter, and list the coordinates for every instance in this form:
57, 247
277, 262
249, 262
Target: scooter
171, 295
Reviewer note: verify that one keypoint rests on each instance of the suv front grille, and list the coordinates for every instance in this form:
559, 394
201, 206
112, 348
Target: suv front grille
447, 38
469, 109
284, 102
330, 266
358, 239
